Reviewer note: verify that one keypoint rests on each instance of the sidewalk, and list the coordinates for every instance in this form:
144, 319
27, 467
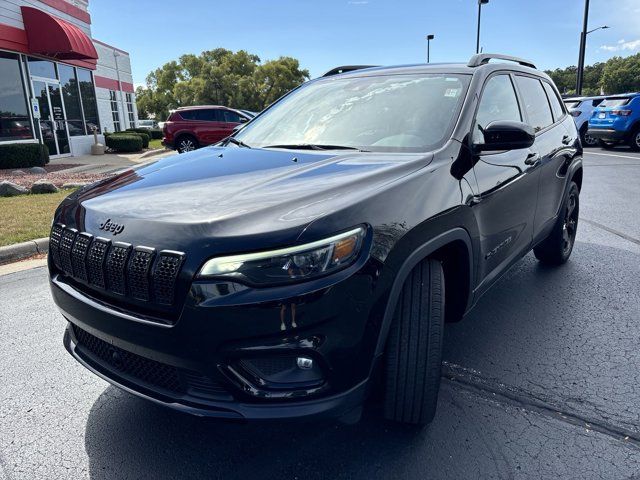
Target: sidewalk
109, 162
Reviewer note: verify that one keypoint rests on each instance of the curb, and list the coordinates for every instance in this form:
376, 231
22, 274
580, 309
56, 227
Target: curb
18, 251
153, 152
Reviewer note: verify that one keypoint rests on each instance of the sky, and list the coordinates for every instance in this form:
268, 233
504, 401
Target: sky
323, 34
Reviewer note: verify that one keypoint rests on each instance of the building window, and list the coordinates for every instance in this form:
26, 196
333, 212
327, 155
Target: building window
42, 68
15, 123
132, 117
71, 97
88, 100
115, 114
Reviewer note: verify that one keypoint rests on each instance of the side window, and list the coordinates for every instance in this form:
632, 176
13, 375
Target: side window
188, 114
231, 117
498, 102
557, 109
211, 115
535, 102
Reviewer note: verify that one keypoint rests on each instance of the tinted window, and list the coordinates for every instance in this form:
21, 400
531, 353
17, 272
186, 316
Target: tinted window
596, 102
88, 95
615, 102
207, 115
42, 68
498, 102
71, 97
535, 102
231, 117
571, 104
14, 115
553, 99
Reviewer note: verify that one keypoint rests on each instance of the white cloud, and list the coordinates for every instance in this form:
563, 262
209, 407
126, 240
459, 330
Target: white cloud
622, 45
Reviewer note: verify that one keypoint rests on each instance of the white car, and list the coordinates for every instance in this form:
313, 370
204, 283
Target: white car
148, 124
581, 109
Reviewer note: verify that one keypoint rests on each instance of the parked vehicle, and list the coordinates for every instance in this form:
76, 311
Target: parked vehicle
148, 124
617, 120
324, 246
581, 109
189, 128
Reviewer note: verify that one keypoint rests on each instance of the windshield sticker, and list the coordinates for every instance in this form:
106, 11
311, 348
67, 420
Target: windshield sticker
452, 92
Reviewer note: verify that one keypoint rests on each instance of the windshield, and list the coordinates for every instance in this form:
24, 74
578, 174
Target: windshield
614, 102
393, 113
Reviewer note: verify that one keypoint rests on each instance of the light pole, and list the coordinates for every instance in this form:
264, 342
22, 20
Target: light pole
480, 3
583, 46
429, 38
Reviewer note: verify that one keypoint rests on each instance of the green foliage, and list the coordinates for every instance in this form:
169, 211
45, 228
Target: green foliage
616, 75
218, 77
144, 135
124, 142
156, 133
23, 155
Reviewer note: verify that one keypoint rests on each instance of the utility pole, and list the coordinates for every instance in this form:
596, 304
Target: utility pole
583, 43
429, 38
480, 3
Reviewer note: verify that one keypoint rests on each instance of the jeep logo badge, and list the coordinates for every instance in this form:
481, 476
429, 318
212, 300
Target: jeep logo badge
109, 226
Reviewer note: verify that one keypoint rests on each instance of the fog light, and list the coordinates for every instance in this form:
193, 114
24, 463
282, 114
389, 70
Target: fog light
304, 363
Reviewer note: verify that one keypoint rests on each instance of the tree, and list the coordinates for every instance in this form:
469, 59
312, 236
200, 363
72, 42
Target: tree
621, 74
220, 76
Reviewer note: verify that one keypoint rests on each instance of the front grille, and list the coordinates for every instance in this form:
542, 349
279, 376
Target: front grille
150, 372
116, 267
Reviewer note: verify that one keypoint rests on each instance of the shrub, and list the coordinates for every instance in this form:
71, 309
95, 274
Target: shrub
124, 142
156, 133
144, 134
23, 155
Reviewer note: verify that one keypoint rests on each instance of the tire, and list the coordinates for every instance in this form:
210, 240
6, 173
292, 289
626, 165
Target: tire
186, 143
606, 145
557, 247
413, 356
634, 140
587, 140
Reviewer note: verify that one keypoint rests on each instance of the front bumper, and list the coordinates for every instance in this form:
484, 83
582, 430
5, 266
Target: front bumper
195, 364
607, 134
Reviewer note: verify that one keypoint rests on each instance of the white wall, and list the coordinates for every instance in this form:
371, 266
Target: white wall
10, 13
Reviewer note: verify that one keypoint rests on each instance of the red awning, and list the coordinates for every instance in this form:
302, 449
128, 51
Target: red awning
54, 37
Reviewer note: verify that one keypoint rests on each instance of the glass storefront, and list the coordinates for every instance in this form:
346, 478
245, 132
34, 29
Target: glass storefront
15, 122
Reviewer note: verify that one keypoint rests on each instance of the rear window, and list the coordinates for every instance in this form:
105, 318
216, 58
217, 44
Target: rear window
556, 106
536, 103
571, 104
615, 102
596, 102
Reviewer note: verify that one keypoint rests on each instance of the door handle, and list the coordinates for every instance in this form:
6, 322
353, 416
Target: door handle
532, 159
567, 139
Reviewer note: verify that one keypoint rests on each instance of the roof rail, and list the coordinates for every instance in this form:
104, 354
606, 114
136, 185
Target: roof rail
483, 58
346, 68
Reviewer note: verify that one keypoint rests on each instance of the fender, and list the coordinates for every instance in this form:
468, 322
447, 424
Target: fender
422, 252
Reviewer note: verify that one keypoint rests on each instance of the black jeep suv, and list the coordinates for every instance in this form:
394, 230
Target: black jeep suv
317, 254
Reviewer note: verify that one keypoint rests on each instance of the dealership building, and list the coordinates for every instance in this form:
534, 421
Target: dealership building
50, 66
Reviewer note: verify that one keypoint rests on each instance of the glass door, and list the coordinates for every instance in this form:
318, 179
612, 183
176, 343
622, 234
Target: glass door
53, 126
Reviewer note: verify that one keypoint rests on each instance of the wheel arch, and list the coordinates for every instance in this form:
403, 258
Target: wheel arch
454, 249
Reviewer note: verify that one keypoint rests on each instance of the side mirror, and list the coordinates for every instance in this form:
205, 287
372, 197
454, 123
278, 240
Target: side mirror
243, 120
506, 135
237, 128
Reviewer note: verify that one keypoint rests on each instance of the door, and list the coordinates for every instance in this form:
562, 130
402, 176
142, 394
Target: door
214, 128
53, 125
506, 186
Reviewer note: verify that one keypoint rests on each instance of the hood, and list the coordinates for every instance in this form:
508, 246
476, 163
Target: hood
227, 192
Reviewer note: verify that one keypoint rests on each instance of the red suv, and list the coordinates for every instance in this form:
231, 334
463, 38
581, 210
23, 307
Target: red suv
188, 128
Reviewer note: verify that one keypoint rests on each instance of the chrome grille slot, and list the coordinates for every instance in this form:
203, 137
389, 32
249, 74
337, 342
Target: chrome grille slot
116, 267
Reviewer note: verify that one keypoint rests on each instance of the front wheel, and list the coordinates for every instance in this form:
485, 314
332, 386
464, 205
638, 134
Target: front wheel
557, 247
413, 356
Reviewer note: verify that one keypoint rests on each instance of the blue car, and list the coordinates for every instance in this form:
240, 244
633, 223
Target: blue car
617, 120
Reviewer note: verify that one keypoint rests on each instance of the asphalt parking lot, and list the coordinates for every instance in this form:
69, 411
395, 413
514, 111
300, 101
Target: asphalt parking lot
541, 380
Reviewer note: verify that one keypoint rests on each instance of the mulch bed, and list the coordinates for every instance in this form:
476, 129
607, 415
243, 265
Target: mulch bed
55, 174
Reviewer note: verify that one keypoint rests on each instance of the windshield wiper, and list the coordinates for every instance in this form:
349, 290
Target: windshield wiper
314, 146
235, 141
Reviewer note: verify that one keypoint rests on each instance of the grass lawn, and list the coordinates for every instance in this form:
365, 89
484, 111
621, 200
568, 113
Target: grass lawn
27, 217
155, 143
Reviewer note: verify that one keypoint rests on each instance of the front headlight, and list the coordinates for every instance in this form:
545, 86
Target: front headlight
298, 263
